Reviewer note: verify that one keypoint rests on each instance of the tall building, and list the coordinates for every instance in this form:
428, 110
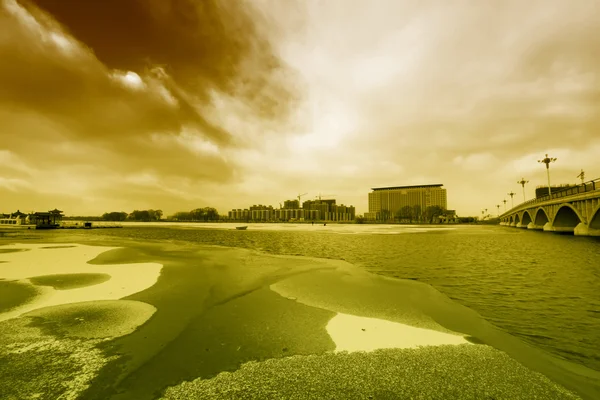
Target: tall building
387, 201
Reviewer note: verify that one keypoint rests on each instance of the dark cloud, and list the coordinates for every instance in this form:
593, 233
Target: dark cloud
128, 87
67, 84
205, 45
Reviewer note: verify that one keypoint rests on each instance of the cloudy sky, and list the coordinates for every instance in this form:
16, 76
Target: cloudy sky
177, 104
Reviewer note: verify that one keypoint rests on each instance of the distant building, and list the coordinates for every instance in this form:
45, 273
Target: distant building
385, 202
448, 217
291, 204
312, 210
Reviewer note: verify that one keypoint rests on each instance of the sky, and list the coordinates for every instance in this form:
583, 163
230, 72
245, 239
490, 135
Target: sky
178, 104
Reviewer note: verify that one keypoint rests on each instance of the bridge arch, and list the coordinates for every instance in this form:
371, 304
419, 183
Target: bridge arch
526, 218
566, 219
595, 219
541, 218
517, 219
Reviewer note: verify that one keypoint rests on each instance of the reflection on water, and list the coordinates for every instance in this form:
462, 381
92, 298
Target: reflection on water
538, 286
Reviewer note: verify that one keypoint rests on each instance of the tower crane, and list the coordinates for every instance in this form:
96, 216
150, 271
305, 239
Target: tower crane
300, 197
323, 195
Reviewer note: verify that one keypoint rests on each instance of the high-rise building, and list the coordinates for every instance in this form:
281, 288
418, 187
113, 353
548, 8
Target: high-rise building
385, 202
291, 204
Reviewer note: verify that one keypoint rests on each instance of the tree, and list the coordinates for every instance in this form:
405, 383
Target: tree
182, 216
139, 215
114, 216
417, 213
432, 212
385, 215
405, 213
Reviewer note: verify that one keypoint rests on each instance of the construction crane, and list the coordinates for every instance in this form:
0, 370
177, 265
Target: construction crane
323, 195
300, 197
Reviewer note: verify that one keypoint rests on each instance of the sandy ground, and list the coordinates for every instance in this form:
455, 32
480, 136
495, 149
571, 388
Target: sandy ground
152, 320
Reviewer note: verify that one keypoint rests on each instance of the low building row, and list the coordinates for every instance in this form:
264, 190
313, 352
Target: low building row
317, 210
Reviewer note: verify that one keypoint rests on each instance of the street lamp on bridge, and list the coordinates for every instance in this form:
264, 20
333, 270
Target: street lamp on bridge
582, 176
504, 201
547, 161
522, 182
511, 194
498, 207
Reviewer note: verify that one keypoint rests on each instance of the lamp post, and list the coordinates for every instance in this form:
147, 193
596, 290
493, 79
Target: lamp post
547, 161
498, 207
511, 194
522, 182
582, 176
504, 201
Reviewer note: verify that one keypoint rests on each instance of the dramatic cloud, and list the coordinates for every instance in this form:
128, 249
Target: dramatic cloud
169, 104
91, 94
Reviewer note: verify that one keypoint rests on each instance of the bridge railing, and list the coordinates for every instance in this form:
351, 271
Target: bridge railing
588, 186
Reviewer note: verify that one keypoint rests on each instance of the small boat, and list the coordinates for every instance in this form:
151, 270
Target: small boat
241, 228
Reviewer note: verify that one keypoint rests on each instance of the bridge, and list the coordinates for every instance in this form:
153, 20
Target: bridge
575, 210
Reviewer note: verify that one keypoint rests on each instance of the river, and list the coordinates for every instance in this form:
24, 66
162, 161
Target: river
540, 287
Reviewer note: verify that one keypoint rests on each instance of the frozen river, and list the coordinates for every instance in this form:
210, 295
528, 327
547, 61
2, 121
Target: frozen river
287, 311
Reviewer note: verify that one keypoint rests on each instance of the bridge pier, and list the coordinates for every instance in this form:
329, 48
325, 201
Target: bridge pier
520, 225
584, 230
534, 226
581, 230
548, 227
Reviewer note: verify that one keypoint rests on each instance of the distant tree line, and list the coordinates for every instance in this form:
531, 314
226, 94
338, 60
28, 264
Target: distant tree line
136, 215
205, 214
414, 213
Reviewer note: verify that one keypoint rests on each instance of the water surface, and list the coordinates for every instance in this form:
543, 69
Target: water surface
539, 286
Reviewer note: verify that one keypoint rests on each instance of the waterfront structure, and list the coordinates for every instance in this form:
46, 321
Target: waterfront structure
385, 202
14, 220
312, 210
41, 220
46, 220
574, 209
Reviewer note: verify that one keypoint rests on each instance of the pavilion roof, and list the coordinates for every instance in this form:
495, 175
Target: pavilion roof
56, 211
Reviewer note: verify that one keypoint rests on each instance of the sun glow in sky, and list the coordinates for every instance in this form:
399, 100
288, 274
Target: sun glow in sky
230, 104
